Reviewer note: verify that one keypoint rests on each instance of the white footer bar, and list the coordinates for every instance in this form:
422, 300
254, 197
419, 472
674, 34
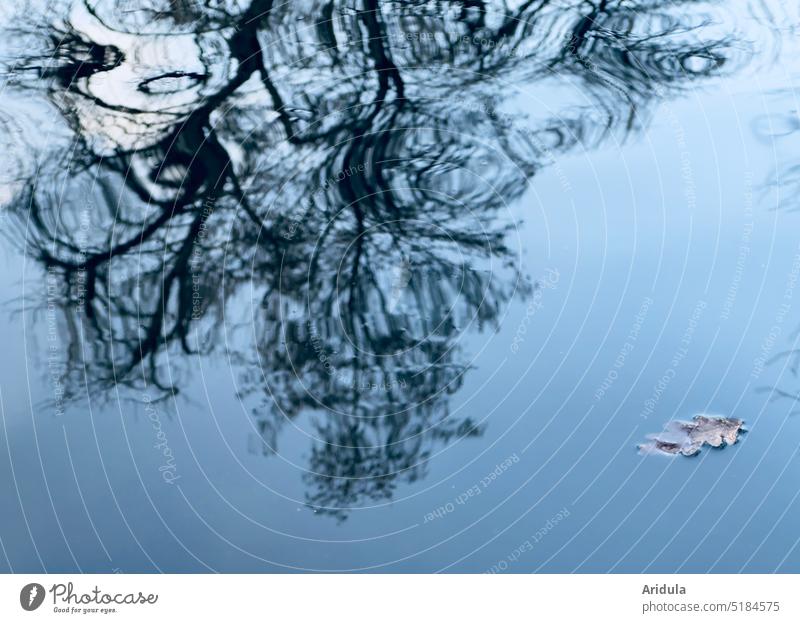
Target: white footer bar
400, 598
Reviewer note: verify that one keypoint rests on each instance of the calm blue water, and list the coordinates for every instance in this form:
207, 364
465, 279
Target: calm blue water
403, 303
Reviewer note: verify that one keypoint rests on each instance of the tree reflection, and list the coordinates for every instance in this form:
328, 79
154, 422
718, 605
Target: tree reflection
338, 170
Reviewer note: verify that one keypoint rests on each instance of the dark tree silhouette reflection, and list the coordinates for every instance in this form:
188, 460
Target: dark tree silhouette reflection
323, 183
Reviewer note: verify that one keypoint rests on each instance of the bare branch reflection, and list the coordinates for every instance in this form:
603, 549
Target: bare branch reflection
325, 185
